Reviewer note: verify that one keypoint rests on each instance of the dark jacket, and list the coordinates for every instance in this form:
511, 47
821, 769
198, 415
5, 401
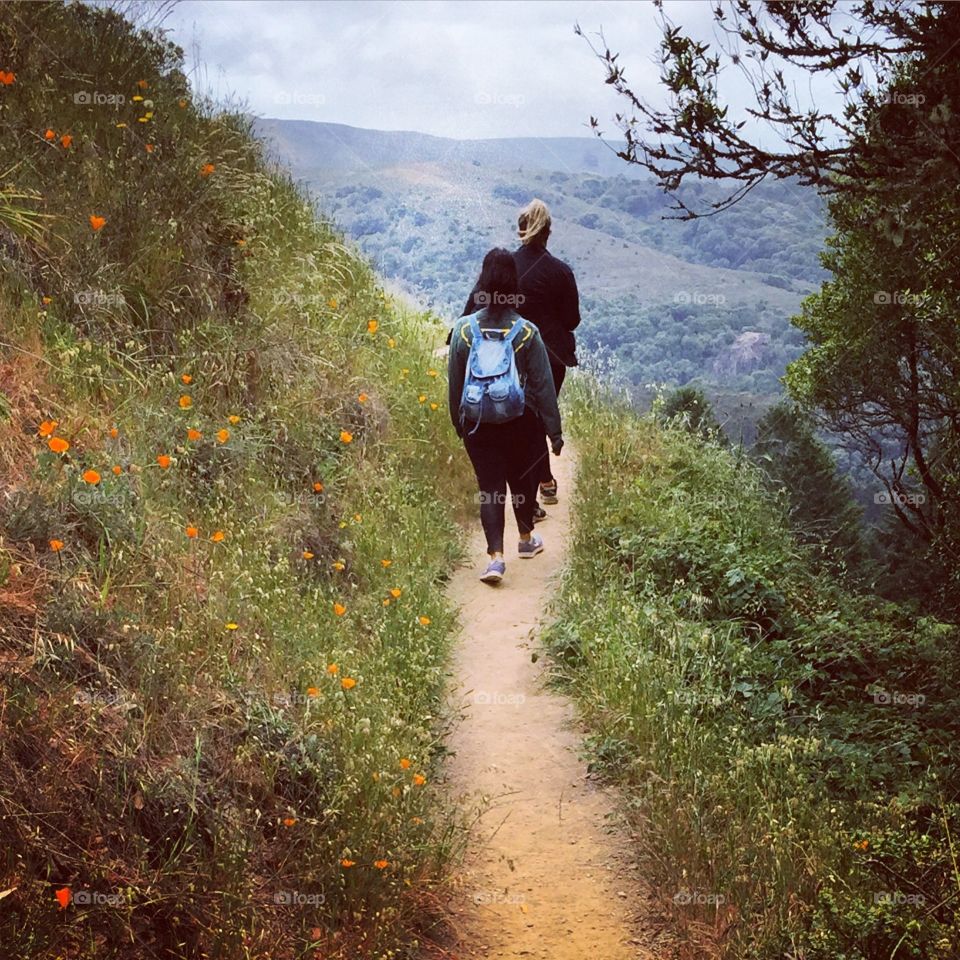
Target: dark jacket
533, 365
550, 300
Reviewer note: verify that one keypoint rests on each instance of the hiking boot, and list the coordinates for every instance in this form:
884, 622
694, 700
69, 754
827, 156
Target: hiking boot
539, 514
530, 548
548, 492
494, 572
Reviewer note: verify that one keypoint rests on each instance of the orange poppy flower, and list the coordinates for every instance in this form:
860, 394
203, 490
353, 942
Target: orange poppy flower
207, 169
46, 301
185, 378
363, 398
56, 545
318, 487
404, 763
347, 863
395, 593
142, 84
313, 692
434, 406
346, 436
339, 609
332, 669
223, 435
47, 427
289, 821
385, 601
385, 563
424, 621
419, 779
49, 135
114, 433
332, 303
358, 518
381, 864
234, 419
97, 223
7, 77
193, 434
148, 147
338, 565
117, 470
372, 326
58, 444
431, 373
422, 398
185, 402
231, 626
66, 140
192, 532
307, 555
181, 103
348, 683
163, 460
217, 536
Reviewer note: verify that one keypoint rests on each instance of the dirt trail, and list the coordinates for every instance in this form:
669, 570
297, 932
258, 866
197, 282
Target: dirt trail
546, 876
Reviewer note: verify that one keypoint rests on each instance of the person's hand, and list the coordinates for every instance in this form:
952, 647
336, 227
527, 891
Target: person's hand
556, 446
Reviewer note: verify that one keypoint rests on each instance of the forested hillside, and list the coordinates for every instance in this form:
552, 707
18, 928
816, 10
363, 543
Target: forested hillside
707, 300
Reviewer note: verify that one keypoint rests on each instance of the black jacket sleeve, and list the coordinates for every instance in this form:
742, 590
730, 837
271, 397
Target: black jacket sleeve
539, 390
570, 312
456, 374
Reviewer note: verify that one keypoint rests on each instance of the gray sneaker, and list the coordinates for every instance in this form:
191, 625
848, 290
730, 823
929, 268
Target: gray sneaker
530, 548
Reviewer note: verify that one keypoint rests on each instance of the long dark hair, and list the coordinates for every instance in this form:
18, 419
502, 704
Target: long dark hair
498, 287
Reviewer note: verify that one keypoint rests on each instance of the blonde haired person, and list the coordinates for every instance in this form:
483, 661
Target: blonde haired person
549, 299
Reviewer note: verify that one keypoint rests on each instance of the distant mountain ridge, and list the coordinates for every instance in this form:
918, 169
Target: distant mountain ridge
340, 147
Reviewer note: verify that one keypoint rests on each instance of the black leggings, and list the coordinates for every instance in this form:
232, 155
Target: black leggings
544, 473
504, 454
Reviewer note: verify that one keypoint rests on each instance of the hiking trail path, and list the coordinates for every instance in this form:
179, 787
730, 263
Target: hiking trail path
547, 873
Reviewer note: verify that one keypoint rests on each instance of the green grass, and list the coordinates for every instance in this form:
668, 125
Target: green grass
737, 697
177, 737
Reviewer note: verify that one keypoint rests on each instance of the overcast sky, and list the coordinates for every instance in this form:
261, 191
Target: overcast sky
457, 68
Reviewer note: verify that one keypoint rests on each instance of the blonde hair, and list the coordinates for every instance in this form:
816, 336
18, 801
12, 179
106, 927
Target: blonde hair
534, 221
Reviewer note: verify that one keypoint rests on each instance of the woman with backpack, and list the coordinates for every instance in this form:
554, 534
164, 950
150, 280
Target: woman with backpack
501, 399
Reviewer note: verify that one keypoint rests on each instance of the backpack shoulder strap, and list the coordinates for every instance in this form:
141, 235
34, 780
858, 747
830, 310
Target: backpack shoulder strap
475, 333
514, 331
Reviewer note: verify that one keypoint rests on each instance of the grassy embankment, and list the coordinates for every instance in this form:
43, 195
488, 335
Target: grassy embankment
222, 623
787, 749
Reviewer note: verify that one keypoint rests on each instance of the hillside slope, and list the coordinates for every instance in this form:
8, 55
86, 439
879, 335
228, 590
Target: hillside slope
222, 640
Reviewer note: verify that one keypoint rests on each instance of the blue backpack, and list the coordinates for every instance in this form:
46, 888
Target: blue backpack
492, 391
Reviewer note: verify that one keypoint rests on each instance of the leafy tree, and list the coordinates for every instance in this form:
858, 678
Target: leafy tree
861, 47
801, 468
690, 407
